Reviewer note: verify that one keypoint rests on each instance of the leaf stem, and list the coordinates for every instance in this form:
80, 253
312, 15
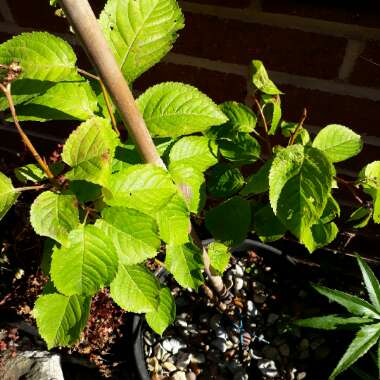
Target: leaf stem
29, 188
350, 186
265, 124
8, 94
299, 127
107, 98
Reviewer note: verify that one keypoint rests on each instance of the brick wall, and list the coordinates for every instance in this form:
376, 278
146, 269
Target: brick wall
324, 54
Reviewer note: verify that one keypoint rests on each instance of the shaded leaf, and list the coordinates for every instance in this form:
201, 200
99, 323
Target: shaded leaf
319, 235
371, 283
260, 79
370, 176
8, 195
219, 256
259, 182
240, 117
266, 225
224, 181
332, 322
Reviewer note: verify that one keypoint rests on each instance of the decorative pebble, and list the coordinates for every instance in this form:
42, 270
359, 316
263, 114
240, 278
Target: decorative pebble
183, 360
169, 366
301, 376
257, 298
191, 376
173, 345
284, 350
221, 333
220, 344
239, 272
215, 321
198, 358
239, 283
268, 368
252, 309
179, 376
241, 375
272, 318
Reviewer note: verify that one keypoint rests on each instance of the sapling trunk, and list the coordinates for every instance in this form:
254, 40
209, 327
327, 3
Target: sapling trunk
86, 27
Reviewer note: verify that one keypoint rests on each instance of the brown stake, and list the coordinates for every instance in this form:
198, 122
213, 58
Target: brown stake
87, 29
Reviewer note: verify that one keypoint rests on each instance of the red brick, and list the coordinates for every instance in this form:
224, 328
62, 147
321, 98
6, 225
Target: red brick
40, 15
218, 86
364, 12
367, 69
324, 108
280, 49
225, 3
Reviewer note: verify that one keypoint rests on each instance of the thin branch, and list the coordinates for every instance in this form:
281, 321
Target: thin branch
350, 186
7, 92
30, 188
299, 127
106, 97
266, 139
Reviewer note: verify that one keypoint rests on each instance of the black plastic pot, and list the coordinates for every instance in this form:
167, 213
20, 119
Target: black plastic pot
137, 327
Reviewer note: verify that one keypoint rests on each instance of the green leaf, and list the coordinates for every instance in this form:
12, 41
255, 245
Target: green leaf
135, 289
61, 319
241, 149
85, 191
364, 340
332, 322
370, 176
175, 109
54, 215
42, 56
319, 235
192, 184
54, 104
353, 304
266, 225
338, 142
34, 173
174, 221
331, 211
89, 151
240, 117
140, 33
224, 181
300, 181
288, 128
371, 283
303, 137
259, 182
146, 188
230, 222
260, 79
185, 263
360, 217
165, 313
272, 113
8, 195
196, 151
126, 155
133, 234
219, 256
87, 263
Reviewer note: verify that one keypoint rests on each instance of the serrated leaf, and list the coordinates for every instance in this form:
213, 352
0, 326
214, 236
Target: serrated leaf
300, 181
185, 263
260, 79
319, 235
61, 319
371, 283
241, 149
219, 256
133, 234
360, 217
146, 188
338, 142
303, 137
174, 221
140, 33
126, 155
54, 104
165, 313
192, 184
272, 113
196, 151
85, 191
370, 176
8, 195
54, 215
230, 222
288, 128
259, 182
353, 304
240, 117
175, 109
89, 151
364, 340
87, 263
266, 225
224, 181
135, 289
332, 322
41, 55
